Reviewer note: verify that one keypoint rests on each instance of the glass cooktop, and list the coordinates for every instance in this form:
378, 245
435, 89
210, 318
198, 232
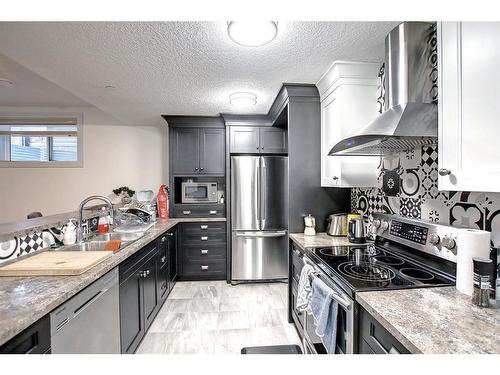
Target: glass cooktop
367, 267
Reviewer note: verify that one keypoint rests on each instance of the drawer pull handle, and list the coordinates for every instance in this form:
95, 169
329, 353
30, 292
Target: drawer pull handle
163, 259
204, 251
213, 212
204, 238
186, 212
163, 239
204, 226
204, 268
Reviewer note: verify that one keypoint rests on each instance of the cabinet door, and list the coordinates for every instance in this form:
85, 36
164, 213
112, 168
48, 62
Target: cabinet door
131, 312
273, 140
172, 254
151, 295
469, 60
212, 151
330, 135
185, 152
33, 340
244, 139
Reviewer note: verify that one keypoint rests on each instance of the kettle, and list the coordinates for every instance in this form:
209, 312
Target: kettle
357, 230
337, 225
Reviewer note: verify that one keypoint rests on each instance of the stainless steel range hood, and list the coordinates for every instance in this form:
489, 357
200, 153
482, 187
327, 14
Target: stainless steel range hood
410, 117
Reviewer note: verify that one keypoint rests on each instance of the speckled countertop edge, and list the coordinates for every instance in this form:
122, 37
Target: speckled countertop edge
24, 300
436, 320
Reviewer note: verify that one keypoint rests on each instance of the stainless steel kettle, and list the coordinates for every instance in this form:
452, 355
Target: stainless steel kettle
357, 230
337, 225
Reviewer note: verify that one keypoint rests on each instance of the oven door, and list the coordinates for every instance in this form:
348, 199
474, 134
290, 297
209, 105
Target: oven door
345, 320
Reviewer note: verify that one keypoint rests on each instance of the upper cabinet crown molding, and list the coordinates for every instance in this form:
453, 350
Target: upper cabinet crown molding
348, 93
194, 121
469, 111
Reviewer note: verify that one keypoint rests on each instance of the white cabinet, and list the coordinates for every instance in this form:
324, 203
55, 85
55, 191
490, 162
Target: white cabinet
348, 92
469, 106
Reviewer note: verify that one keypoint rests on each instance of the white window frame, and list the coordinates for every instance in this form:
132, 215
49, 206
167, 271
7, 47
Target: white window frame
78, 163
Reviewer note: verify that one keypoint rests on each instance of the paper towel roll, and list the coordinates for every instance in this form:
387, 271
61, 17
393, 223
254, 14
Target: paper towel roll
471, 243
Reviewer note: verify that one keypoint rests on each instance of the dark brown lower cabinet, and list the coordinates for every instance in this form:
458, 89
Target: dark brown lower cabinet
33, 340
373, 338
139, 298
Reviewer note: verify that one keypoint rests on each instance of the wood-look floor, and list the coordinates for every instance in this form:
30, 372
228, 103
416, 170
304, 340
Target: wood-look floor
213, 317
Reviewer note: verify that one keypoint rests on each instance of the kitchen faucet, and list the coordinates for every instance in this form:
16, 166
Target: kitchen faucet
79, 232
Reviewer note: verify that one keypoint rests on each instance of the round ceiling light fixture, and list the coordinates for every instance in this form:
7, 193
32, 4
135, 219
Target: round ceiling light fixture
252, 33
243, 99
6, 82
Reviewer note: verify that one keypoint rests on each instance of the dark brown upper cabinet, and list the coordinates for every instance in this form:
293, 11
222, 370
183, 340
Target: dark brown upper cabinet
197, 151
260, 140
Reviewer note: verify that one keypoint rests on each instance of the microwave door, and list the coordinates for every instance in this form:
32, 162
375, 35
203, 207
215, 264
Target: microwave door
245, 192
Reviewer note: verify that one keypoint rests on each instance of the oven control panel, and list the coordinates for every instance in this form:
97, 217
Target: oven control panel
436, 239
410, 232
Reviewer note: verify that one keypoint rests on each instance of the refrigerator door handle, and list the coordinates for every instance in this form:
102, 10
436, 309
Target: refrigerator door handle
263, 193
262, 234
258, 193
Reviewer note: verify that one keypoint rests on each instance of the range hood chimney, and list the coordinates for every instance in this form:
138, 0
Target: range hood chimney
410, 117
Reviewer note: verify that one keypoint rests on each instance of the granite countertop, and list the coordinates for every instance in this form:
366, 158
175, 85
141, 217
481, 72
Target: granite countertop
24, 300
437, 320
319, 240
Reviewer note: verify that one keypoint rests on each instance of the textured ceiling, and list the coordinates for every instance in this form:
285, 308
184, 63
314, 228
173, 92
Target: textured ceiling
32, 90
181, 68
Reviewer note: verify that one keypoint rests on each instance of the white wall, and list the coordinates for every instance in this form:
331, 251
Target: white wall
113, 155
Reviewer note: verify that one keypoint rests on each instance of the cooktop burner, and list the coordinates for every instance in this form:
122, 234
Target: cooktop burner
366, 271
388, 259
417, 274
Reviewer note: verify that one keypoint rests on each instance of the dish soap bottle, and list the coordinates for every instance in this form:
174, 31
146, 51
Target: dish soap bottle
69, 233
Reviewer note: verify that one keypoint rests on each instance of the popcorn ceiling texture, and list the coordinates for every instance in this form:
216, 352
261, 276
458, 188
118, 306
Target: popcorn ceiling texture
182, 68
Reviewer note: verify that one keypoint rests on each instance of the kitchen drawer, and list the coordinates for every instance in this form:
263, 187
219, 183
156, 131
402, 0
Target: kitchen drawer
199, 212
202, 239
202, 228
204, 268
377, 337
215, 252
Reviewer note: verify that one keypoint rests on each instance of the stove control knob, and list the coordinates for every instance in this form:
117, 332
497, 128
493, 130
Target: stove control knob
434, 238
384, 225
448, 242
376, 223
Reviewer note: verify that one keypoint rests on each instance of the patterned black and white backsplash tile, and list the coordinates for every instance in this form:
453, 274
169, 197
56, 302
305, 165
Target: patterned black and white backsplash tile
417, 195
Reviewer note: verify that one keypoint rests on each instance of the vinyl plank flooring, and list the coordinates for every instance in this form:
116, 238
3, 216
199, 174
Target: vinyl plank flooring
214, 317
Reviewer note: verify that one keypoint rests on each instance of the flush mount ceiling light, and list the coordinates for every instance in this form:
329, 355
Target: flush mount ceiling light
243, 99
5, 82
252, 33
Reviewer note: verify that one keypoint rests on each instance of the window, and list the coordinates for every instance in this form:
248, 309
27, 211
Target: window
31, 141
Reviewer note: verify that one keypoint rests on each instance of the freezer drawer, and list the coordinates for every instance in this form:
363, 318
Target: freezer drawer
259, 255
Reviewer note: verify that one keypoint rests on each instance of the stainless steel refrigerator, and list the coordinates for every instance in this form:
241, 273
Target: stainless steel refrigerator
259, 218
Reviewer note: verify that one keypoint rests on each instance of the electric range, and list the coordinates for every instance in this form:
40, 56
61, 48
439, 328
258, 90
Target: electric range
406, 253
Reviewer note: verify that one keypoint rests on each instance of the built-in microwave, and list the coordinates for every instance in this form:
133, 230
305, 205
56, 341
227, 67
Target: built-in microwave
199, 192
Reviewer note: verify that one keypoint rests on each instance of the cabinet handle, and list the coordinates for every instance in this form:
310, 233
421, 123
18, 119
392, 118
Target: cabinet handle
163, 239
204, 251
204, 238
163, 259
262, 148
147, 272
170, 234
256, 148
444, 172
186, 212
196, 169
204, 268
213, 212
204, 226
201, 169
335, 178
143, 274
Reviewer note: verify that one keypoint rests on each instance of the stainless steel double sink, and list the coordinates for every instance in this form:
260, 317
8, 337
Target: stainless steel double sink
98, 242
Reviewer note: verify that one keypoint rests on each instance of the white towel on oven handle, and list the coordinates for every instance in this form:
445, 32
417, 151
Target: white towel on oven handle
305, 289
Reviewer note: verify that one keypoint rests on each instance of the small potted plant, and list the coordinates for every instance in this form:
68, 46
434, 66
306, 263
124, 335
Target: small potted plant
124, 193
